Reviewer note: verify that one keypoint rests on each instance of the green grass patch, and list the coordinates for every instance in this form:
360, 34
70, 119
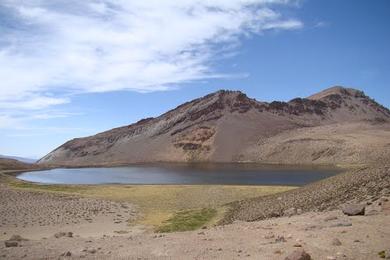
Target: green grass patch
188, 220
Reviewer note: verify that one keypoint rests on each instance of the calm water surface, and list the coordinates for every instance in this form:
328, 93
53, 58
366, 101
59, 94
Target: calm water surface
228, 174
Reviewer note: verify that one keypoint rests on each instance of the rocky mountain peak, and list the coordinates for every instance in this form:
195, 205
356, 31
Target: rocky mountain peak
338, 90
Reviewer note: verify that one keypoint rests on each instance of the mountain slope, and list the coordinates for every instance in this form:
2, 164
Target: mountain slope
21, 159
228, 126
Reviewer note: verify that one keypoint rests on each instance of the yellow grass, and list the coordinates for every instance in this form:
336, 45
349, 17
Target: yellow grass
158, 203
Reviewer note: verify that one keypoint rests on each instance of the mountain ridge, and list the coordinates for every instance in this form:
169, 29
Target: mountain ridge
224, 126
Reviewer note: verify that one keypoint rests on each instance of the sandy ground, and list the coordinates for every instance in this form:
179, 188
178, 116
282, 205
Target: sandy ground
36, 215
97, 235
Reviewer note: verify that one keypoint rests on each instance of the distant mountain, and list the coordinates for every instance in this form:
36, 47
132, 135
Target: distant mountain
21, 159
337, 125
12, 164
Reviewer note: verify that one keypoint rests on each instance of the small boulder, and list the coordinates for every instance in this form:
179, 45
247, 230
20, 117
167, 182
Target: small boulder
298, 255
17, 238
336, 242
342, 223
63, 234
330, 218
11, 243
353, 209
269, 236
67, 254
290, 212
59, 234
91, 251
278, 251
387, 254
280, 239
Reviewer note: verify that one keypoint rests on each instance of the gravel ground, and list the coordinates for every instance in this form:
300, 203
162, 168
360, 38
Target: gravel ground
324, 235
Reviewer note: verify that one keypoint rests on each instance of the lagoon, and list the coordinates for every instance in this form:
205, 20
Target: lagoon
213, 174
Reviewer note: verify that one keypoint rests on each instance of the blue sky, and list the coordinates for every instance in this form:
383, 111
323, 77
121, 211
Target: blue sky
75, 68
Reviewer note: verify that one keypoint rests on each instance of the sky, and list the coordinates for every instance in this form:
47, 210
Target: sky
72, 68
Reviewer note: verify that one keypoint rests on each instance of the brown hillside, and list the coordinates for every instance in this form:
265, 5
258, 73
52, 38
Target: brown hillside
340, 125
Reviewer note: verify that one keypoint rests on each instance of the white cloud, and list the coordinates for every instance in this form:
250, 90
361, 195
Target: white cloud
32, 102
321, 24
50, 47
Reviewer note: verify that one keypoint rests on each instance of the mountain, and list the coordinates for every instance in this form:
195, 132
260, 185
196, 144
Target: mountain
337, 125
21, 159
12, 164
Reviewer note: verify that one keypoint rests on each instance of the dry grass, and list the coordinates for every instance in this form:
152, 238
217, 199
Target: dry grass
159, 203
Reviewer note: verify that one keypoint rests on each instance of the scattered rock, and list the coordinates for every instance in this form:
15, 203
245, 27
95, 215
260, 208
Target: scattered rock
339, 254
91, 251
336, 242
330, 218
278, 251
298, 255
290, 212
10, 243
341, 224
17, 238
269, 236
67, 254
372, 210
59, 234
353, 209
121, 231
280, 239
297, 245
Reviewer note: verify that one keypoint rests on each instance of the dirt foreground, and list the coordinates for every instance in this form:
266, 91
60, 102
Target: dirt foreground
67, 227
329, 235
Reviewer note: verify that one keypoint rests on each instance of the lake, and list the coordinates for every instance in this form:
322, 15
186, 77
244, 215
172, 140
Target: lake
226, 174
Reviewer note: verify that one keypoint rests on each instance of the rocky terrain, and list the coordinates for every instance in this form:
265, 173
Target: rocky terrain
337, 125
366, 184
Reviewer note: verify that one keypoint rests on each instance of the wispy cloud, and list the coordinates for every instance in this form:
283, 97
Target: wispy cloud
50, 49
321, 24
